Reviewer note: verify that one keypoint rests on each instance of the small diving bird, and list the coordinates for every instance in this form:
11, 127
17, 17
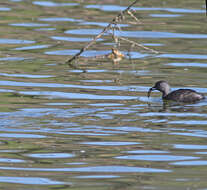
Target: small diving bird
180, 95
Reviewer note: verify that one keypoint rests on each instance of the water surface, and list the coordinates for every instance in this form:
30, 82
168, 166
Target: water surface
91, 125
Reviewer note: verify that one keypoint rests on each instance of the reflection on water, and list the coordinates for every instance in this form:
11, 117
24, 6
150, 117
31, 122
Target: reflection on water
51, 155
120, 8
92, 126
157, 157
29, 24
139, 34
97, 176
15, 41
165, 15
32, 47
29, 180
52, 4
59, 19
97, 169
5, 9
72, 39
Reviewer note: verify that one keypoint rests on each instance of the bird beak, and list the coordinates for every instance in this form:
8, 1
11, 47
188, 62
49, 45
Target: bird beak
149, 92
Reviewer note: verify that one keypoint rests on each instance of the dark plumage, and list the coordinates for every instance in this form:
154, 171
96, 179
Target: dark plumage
180, 95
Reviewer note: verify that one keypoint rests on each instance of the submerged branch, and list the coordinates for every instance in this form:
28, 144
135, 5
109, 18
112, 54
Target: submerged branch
111, 26
114, 21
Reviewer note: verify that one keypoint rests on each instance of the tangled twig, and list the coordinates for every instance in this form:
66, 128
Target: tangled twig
110, 26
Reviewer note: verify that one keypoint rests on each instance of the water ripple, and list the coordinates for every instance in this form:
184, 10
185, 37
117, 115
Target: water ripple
59, 19
121, 8
97, 169
97, 176
119, 143
191, 163
51, 155
158, 158
10, 160
165, 15
29, 180
190, 146
71, 39
25, 75
18, 135
183, 56
65, 95
202, 65
139, 34
29, 24
15, 41
13, 58
5, 9
53, 4
32, 47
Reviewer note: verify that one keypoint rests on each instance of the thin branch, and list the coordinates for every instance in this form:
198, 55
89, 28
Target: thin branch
139, 45
114, 21
134, 17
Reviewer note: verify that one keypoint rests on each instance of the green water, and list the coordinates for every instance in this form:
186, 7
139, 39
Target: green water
91, 125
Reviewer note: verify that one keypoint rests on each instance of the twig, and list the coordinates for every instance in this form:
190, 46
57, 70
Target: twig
114, 21
139, 45
134, 17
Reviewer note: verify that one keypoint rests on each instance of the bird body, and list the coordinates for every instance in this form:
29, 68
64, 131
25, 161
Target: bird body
180, 95
184, 95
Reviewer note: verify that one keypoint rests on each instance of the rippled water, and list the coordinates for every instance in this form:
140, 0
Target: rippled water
92, 126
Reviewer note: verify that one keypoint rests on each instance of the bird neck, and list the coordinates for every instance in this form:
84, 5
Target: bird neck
165, 93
